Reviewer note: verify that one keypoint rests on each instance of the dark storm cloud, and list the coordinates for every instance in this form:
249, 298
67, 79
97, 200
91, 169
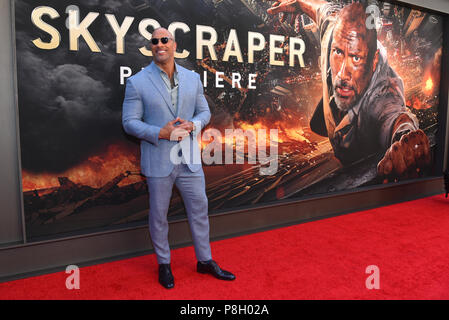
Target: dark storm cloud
21, 10
70, 102
113, 5
65, 116
108, 4
79, 96
92, 3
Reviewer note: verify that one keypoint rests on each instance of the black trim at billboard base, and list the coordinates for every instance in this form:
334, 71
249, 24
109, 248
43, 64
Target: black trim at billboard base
54, 255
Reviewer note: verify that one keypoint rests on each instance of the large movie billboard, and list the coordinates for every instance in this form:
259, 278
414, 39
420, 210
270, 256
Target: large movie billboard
335, 109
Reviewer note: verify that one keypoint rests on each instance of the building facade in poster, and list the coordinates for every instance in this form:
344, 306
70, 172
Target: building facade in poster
290, 116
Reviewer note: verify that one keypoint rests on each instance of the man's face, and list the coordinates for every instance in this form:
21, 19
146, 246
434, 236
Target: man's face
350, 70
163, 53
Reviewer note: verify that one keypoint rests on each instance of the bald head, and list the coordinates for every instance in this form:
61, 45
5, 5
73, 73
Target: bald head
163, 47
161, 30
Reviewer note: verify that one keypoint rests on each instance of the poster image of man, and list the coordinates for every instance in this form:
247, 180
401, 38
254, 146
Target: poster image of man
363, 108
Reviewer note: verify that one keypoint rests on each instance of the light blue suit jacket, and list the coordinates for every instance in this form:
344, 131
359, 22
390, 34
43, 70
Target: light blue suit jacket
147, 108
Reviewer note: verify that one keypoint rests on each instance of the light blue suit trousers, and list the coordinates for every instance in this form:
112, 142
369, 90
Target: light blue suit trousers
192, 189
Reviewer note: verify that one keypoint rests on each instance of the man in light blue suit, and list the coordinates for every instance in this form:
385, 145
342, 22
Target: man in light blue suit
165, 108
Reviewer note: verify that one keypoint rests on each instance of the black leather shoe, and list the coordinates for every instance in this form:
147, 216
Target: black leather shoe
212, 268
165, 276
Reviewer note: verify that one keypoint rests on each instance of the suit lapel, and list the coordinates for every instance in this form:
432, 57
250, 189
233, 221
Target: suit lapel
155, 77
181, 87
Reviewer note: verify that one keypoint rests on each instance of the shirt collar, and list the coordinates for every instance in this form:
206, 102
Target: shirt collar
175, 73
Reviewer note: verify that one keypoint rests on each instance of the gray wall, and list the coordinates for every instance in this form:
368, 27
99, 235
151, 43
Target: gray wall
10, 195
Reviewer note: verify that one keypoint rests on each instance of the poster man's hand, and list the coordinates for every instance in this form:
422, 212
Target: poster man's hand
410, 153
283, 7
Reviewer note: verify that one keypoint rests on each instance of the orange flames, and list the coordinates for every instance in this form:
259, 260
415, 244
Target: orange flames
417, 104
229, 140
419, 101
98, 170
429, 85
285, 134
95, 172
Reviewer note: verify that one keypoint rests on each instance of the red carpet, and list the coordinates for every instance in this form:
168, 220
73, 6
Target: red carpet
325, 259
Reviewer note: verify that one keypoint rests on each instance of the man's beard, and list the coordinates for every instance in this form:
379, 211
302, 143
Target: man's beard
344, 104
